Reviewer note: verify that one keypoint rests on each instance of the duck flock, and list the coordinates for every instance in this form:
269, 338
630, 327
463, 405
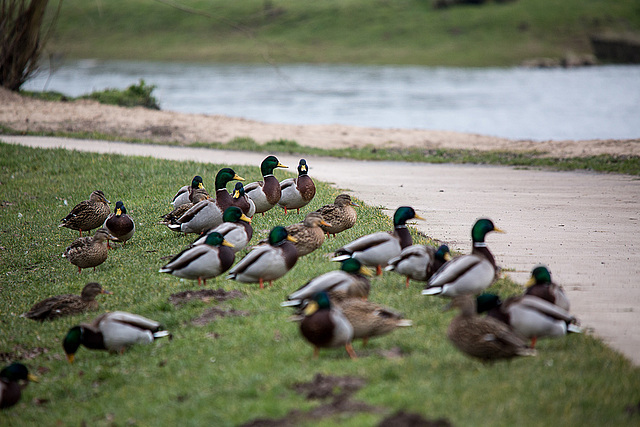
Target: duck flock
332, 309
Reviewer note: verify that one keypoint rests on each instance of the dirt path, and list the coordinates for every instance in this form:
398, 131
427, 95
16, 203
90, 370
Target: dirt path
584, 226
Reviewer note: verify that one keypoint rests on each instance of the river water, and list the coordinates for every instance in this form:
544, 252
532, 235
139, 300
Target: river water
519, 103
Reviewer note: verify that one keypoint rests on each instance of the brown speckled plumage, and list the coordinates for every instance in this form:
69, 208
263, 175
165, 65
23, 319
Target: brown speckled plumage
308, 234
89, 251
341, 214
88, 214
66, 305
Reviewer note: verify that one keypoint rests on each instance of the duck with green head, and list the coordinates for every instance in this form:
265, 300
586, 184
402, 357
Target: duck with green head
297, 192
119, 224
541, 286
207, 214
67, 304
236, 229
419, 262
266, 193
378, 248
241, 200
114, 331
202, 261
88, 214
350, 281
188, 192
13, 379
267, 262
529, 316
467, 274
325, 326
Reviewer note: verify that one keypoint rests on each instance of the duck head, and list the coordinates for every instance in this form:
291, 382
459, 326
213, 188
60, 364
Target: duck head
17, 372
443, 253
234, 214
224, 176
539, 276
238, 190
269, 164
216, 239
352, 265
403, 214
487, 301
481, 228
98, 196
72, 342
120, 209
278, 235
320, 301
303, 169
196, 182
344, 200
92, 289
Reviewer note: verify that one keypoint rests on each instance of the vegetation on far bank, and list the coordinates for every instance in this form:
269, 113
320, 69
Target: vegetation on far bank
496, 33
236, 369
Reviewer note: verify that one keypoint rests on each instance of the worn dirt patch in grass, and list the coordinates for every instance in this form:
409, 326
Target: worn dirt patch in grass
205, 295
214, 313
406, 419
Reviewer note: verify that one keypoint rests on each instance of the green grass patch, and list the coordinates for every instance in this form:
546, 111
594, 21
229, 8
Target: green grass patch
237, 369
336, 31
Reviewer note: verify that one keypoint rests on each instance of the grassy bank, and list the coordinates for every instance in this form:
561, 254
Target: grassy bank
337, 31
236, 369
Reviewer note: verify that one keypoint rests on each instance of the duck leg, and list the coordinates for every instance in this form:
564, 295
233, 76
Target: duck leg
349, 348
407, 284
261, 283
79, 270
533, 342
378, 270
316, 352
199, 282
285, 210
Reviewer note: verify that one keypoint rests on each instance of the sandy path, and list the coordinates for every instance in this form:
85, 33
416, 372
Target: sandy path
584, 226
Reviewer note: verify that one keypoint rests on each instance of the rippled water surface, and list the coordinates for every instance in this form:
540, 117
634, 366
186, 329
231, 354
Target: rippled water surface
539, 104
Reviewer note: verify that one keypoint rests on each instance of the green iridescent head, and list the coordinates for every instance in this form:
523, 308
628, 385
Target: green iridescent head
269, 164
481, 228
224, 176
404, 214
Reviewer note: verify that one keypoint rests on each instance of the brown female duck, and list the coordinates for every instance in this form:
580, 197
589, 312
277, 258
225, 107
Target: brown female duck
88, 214
308, 234
89, 251
341, 214
66, 305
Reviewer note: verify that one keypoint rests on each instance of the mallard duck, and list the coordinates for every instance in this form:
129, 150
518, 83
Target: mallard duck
467, 274
297, 192
202, 261
485, 338
528, 315
112, 331
541, 286
11, 378
325, 326
66, 305
265, 194
90, 251
88, 214
349, 282
267, 262
119, 224
241, 200
419, 262
370, 319
341, 215
207, 214
188, 192
308, 234
378, 248
173, 216
236, 229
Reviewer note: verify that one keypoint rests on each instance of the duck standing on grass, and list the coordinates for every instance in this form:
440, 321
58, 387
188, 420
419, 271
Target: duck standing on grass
266, 193
188, 193
541, 286
325, 326
89, 251
308, 234
241, 200
378, 248
369, 319
419, 262
13, 379
88, 214
66, 305
467, 274
114, 331
119, 224
297, 192
529, 316
351, 281
267, 262
484, 338
340, 214
202, 261
236, 229
207, 214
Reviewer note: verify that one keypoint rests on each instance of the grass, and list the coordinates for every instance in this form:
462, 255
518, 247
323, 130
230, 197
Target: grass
336, 31
237, 369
